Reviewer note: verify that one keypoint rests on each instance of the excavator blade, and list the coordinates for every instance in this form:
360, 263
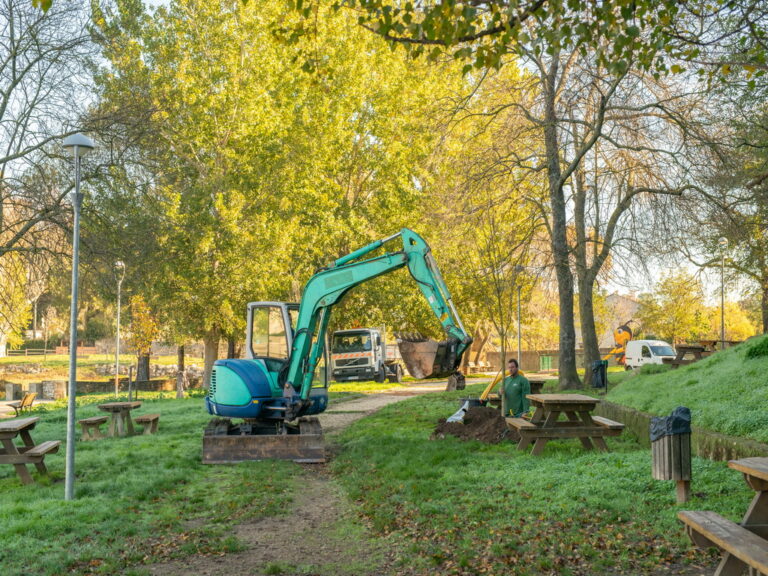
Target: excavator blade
425, 358
226, 443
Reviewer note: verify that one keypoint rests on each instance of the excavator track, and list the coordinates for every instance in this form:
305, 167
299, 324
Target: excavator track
225, 443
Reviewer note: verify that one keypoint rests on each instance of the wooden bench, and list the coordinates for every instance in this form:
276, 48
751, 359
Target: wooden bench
38, 453
743, 548
24, 404
149, 421
606, 423
90, 426
520, 424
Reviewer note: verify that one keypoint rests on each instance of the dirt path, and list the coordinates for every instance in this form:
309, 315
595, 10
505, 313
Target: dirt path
320, 536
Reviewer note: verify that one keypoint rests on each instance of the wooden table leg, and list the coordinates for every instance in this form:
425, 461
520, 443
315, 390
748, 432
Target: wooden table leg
129, 422
26, 437
120, 423
21, 469
585, 442
113, 424
524, 442
538, 447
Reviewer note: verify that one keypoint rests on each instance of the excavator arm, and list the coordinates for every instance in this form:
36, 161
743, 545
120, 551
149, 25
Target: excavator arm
327, 287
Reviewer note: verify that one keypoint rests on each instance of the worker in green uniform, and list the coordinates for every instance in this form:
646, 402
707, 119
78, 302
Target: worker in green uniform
514, 391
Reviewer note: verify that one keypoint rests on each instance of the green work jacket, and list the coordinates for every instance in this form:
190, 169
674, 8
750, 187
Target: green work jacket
515, 389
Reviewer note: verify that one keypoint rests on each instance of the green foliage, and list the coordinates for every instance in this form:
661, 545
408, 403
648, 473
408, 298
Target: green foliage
758, 349
144, 327
725, 392
482, 34
675, 310
471, 508
654, 368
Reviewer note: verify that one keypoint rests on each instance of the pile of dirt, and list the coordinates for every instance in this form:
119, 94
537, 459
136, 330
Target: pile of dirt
480, 423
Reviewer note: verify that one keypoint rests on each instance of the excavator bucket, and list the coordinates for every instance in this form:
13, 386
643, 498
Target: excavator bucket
425, 358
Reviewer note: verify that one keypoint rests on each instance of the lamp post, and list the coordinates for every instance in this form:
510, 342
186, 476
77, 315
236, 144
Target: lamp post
120, 273
723, 243
78, 145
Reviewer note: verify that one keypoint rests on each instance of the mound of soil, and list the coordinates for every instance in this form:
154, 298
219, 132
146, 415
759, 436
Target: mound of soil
480, 423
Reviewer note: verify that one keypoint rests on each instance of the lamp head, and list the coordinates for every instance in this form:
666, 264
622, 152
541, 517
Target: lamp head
78, 144
119, 265
723, 243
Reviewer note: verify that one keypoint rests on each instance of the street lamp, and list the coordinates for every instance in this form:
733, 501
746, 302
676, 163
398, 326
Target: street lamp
120, 274
723, 243
78, 145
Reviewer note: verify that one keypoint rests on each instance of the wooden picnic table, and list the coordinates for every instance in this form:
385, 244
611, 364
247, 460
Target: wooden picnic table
29, 453
744, 545
696, 350
545, 424
121, 417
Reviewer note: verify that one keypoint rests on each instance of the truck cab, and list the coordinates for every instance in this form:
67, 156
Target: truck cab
361, 354
641, 352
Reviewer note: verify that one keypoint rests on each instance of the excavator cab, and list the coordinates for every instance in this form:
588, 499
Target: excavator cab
253, 388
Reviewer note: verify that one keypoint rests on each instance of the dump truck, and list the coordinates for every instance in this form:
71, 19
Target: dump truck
360, 354
266, 405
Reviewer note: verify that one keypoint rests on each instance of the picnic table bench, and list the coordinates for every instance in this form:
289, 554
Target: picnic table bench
91, 427
744, 545
29, 453
545, 424
149, 421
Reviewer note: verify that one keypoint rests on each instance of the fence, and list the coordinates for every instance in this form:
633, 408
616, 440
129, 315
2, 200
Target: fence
31, 352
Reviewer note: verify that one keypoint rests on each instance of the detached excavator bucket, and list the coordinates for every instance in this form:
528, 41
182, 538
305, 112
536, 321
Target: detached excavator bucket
425, 358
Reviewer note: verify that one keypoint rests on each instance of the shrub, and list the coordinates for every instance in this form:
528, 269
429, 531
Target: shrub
654, 368
758, 349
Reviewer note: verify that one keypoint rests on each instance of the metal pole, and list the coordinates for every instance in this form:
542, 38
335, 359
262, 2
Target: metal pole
722, 303
69, 481
117, 341
519, 348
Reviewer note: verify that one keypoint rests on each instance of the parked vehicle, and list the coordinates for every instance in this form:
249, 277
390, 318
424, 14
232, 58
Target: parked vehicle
362, 354
641, 352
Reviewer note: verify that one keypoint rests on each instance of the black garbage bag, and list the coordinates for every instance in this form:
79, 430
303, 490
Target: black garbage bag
679, 422
600, 374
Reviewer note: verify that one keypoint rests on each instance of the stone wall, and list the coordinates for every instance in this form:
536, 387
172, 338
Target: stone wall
704, 443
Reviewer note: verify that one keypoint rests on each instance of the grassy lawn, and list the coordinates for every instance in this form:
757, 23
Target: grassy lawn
470, 508
726, 392
139, 500
456, 507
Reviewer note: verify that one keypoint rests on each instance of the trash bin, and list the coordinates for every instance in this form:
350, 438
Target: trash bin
600, 374
671, 449
545, 363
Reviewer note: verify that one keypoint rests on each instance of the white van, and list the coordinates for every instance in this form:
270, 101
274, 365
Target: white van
640, 352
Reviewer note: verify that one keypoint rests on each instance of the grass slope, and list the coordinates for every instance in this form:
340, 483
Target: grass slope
726, 392
470, 508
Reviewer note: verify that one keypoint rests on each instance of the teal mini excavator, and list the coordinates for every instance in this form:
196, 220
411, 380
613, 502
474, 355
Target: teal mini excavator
282, 385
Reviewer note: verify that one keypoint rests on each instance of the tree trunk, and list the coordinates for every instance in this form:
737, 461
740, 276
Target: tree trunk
588, 331
211, 341
569, 378
231, 352
181, 376
764, 305
142, 368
